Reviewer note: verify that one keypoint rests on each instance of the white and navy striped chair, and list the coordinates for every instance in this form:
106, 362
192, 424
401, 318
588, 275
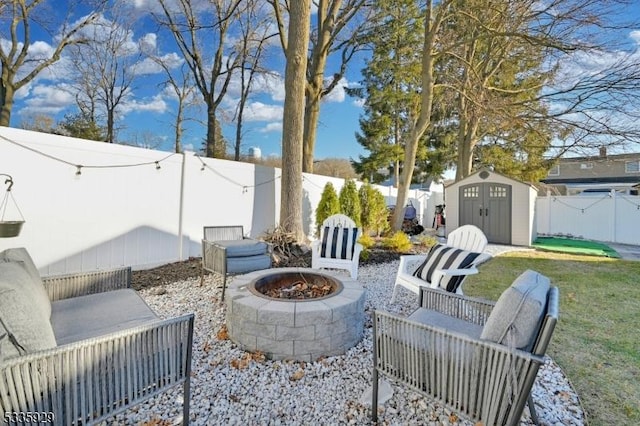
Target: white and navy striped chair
445, 266
338, 247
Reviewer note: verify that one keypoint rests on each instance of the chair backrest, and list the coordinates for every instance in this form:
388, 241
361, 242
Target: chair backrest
223, 233
339, 236
548, 322
338, 220
468, 237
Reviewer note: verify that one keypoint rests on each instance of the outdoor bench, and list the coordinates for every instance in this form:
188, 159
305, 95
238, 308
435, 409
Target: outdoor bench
77, 349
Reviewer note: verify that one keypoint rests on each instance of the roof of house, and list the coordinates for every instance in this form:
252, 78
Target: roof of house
627, 156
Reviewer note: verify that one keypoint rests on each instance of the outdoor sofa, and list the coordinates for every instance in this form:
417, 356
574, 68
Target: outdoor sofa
77, 349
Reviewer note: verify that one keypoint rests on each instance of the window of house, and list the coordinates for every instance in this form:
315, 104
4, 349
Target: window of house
586, 166
555, 170
632, 167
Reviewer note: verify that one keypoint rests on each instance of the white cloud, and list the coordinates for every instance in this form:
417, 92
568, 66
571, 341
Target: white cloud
149, 66
257, 111
271, 84
156, 104
337, 94
359, 102
148, 42
272, 127
47, 100
635, 36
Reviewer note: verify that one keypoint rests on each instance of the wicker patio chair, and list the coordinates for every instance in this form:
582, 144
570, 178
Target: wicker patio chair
86, 381
447, 350
226, 250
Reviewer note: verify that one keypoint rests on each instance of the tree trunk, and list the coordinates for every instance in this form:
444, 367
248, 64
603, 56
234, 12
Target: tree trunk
6, 100
110, 125
423, 120
293, 118
311, 117
211, 151
179, 114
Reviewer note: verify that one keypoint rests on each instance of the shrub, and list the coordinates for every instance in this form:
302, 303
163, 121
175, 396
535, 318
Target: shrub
350, 202
398, 242
373, 210
367, 241
328, 205
426, 241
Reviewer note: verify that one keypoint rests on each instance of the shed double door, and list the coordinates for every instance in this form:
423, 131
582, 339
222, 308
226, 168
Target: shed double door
487, 205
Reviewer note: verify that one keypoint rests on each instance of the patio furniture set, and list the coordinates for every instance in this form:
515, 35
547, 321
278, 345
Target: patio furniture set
85, 347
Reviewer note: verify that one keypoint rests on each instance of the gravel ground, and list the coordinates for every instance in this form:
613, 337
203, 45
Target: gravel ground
231, 387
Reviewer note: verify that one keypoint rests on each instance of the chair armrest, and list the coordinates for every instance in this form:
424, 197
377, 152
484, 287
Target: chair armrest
470, 309
357, 250
462, 371
95, 378
74, 285
214, 257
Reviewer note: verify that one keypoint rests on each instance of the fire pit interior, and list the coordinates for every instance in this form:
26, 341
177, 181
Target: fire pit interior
296, 285
295, 313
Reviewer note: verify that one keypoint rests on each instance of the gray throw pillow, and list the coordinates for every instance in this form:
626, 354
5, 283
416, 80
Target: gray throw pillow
518, 313
35, 286
24, 328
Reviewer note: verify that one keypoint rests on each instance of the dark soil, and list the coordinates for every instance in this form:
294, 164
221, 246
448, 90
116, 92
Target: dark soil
191, 268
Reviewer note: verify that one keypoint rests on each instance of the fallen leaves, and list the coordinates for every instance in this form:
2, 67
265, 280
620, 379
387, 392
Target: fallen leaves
299, 374
246, 359
223, 333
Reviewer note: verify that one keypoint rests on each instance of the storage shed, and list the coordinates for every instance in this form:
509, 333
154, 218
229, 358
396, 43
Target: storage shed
502, 207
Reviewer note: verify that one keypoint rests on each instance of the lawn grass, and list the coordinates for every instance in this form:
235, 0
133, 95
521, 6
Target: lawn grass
597, 339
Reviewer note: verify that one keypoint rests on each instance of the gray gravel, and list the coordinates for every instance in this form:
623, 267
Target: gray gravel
326, 392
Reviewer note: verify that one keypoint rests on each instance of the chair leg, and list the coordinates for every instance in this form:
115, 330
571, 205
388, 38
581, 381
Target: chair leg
202, 277
374, 397
186, 401
532, 410
224, 285
395, 293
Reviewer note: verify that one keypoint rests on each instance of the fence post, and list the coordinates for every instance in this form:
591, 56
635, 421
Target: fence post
614, 200
181, 209
548, 212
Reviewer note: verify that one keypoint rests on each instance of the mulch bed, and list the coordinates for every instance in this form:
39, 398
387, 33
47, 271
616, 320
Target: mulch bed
180, 271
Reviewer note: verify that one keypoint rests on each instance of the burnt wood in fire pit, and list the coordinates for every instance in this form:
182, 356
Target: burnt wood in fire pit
296, 285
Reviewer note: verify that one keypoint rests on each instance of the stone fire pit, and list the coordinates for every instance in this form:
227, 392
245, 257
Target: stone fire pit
298, 329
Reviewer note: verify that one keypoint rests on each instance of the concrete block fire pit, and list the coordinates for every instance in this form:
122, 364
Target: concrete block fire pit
299, 329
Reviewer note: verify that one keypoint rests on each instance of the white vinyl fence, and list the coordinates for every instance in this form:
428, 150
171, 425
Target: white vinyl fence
610, 218
90, 205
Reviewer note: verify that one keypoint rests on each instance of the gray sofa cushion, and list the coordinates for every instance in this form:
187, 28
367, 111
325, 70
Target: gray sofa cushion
97, 314
242, 248
517, 315
237, 265
437, 319
20, 314
35, 287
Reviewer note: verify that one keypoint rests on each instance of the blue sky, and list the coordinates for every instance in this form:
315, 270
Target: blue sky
148, 110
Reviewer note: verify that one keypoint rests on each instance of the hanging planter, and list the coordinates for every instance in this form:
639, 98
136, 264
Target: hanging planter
9, 228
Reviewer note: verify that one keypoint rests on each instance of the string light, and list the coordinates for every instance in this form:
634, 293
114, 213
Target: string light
86, 166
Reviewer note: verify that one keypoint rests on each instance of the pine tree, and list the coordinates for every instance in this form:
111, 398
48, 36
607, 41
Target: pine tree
328, 205
350, 202
374, 210
391, 86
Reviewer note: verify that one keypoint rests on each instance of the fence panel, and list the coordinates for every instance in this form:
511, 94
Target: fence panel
607, 218
137, 207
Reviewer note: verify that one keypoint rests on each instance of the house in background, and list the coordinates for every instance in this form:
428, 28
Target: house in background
597, 174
